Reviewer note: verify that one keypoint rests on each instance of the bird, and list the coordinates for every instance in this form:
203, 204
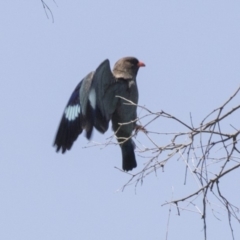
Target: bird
100, 97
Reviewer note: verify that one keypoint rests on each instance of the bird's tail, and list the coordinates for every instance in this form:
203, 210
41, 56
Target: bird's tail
128, 156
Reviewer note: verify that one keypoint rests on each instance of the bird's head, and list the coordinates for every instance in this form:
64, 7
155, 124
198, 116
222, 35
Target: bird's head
127, 68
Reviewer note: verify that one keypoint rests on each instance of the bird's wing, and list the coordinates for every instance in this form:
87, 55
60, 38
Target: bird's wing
73, 121
102, 95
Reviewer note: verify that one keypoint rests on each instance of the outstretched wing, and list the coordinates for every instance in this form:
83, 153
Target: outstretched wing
91, 104
103, 91
78, 115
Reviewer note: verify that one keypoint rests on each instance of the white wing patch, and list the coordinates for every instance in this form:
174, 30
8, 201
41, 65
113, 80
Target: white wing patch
72, 112
92, 98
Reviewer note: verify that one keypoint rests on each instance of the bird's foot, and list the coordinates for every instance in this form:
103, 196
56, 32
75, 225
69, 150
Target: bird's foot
140, 128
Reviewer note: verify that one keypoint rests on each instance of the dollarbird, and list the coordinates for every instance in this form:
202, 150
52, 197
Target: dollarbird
103, 96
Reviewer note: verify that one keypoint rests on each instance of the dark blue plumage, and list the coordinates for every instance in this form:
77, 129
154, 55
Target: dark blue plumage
73, 121
94, 103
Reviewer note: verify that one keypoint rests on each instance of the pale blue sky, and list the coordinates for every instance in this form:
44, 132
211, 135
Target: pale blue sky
192, 56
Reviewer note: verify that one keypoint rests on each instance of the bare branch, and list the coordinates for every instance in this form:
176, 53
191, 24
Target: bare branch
208, 152
47, 10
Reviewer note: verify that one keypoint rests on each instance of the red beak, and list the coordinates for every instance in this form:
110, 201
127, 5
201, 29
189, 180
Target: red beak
141, 64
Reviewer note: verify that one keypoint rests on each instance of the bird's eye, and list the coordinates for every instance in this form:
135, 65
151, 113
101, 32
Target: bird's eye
133, 62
